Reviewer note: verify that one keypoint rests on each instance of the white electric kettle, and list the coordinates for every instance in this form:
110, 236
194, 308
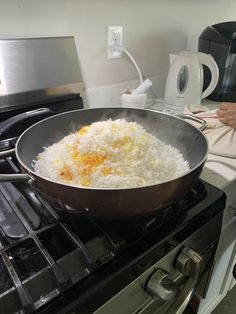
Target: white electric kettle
184, 83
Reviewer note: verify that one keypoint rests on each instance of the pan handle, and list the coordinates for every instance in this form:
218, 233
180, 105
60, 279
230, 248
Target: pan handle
195, 119
13, 177
7, 153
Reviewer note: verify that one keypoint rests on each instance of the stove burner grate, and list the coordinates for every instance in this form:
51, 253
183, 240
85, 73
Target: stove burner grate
44, 251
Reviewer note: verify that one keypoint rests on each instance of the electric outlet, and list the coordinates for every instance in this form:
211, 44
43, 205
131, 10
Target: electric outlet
114, 42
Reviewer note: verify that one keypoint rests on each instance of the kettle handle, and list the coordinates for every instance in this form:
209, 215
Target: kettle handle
209, 61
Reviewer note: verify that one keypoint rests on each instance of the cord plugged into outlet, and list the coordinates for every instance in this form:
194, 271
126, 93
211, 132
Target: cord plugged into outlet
115, 47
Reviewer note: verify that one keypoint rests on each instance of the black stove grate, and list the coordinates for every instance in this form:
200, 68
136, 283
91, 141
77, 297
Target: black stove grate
44, 252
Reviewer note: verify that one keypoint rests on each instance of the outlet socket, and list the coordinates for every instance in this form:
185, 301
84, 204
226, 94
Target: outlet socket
114, 40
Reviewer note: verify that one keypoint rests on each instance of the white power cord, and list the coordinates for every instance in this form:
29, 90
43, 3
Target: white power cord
134, 63
118, 48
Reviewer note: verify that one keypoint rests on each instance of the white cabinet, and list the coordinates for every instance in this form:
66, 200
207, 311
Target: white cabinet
222, 279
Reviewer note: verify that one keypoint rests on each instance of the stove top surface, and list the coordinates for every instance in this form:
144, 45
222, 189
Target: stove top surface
45, 252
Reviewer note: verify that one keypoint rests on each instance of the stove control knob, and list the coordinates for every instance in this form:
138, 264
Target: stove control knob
162, 286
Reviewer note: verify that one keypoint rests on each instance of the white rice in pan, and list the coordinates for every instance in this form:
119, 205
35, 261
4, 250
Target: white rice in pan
111, 154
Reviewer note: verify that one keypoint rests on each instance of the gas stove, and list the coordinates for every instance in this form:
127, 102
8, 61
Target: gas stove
55, 262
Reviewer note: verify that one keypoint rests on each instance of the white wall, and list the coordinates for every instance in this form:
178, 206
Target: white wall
152, 29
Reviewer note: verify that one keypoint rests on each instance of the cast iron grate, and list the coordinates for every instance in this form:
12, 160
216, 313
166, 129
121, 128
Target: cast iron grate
45, 252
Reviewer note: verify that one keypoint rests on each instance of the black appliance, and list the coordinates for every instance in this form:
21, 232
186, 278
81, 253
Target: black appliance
219, 40
53, 262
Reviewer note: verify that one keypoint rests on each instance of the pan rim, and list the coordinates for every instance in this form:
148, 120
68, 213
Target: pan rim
32, 172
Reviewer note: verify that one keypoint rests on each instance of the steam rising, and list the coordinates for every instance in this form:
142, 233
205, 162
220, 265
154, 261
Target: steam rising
169, 129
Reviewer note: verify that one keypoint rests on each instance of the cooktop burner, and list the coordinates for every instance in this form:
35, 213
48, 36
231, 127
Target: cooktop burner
44, 252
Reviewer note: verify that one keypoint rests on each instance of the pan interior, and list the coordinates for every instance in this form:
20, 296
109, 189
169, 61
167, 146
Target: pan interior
171, 130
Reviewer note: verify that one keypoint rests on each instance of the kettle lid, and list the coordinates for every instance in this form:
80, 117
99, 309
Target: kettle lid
188, 53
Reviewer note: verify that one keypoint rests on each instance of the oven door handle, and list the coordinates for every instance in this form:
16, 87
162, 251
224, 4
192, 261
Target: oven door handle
189, 264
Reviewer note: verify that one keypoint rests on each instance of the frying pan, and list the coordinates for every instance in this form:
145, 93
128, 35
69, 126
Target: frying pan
103, 202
